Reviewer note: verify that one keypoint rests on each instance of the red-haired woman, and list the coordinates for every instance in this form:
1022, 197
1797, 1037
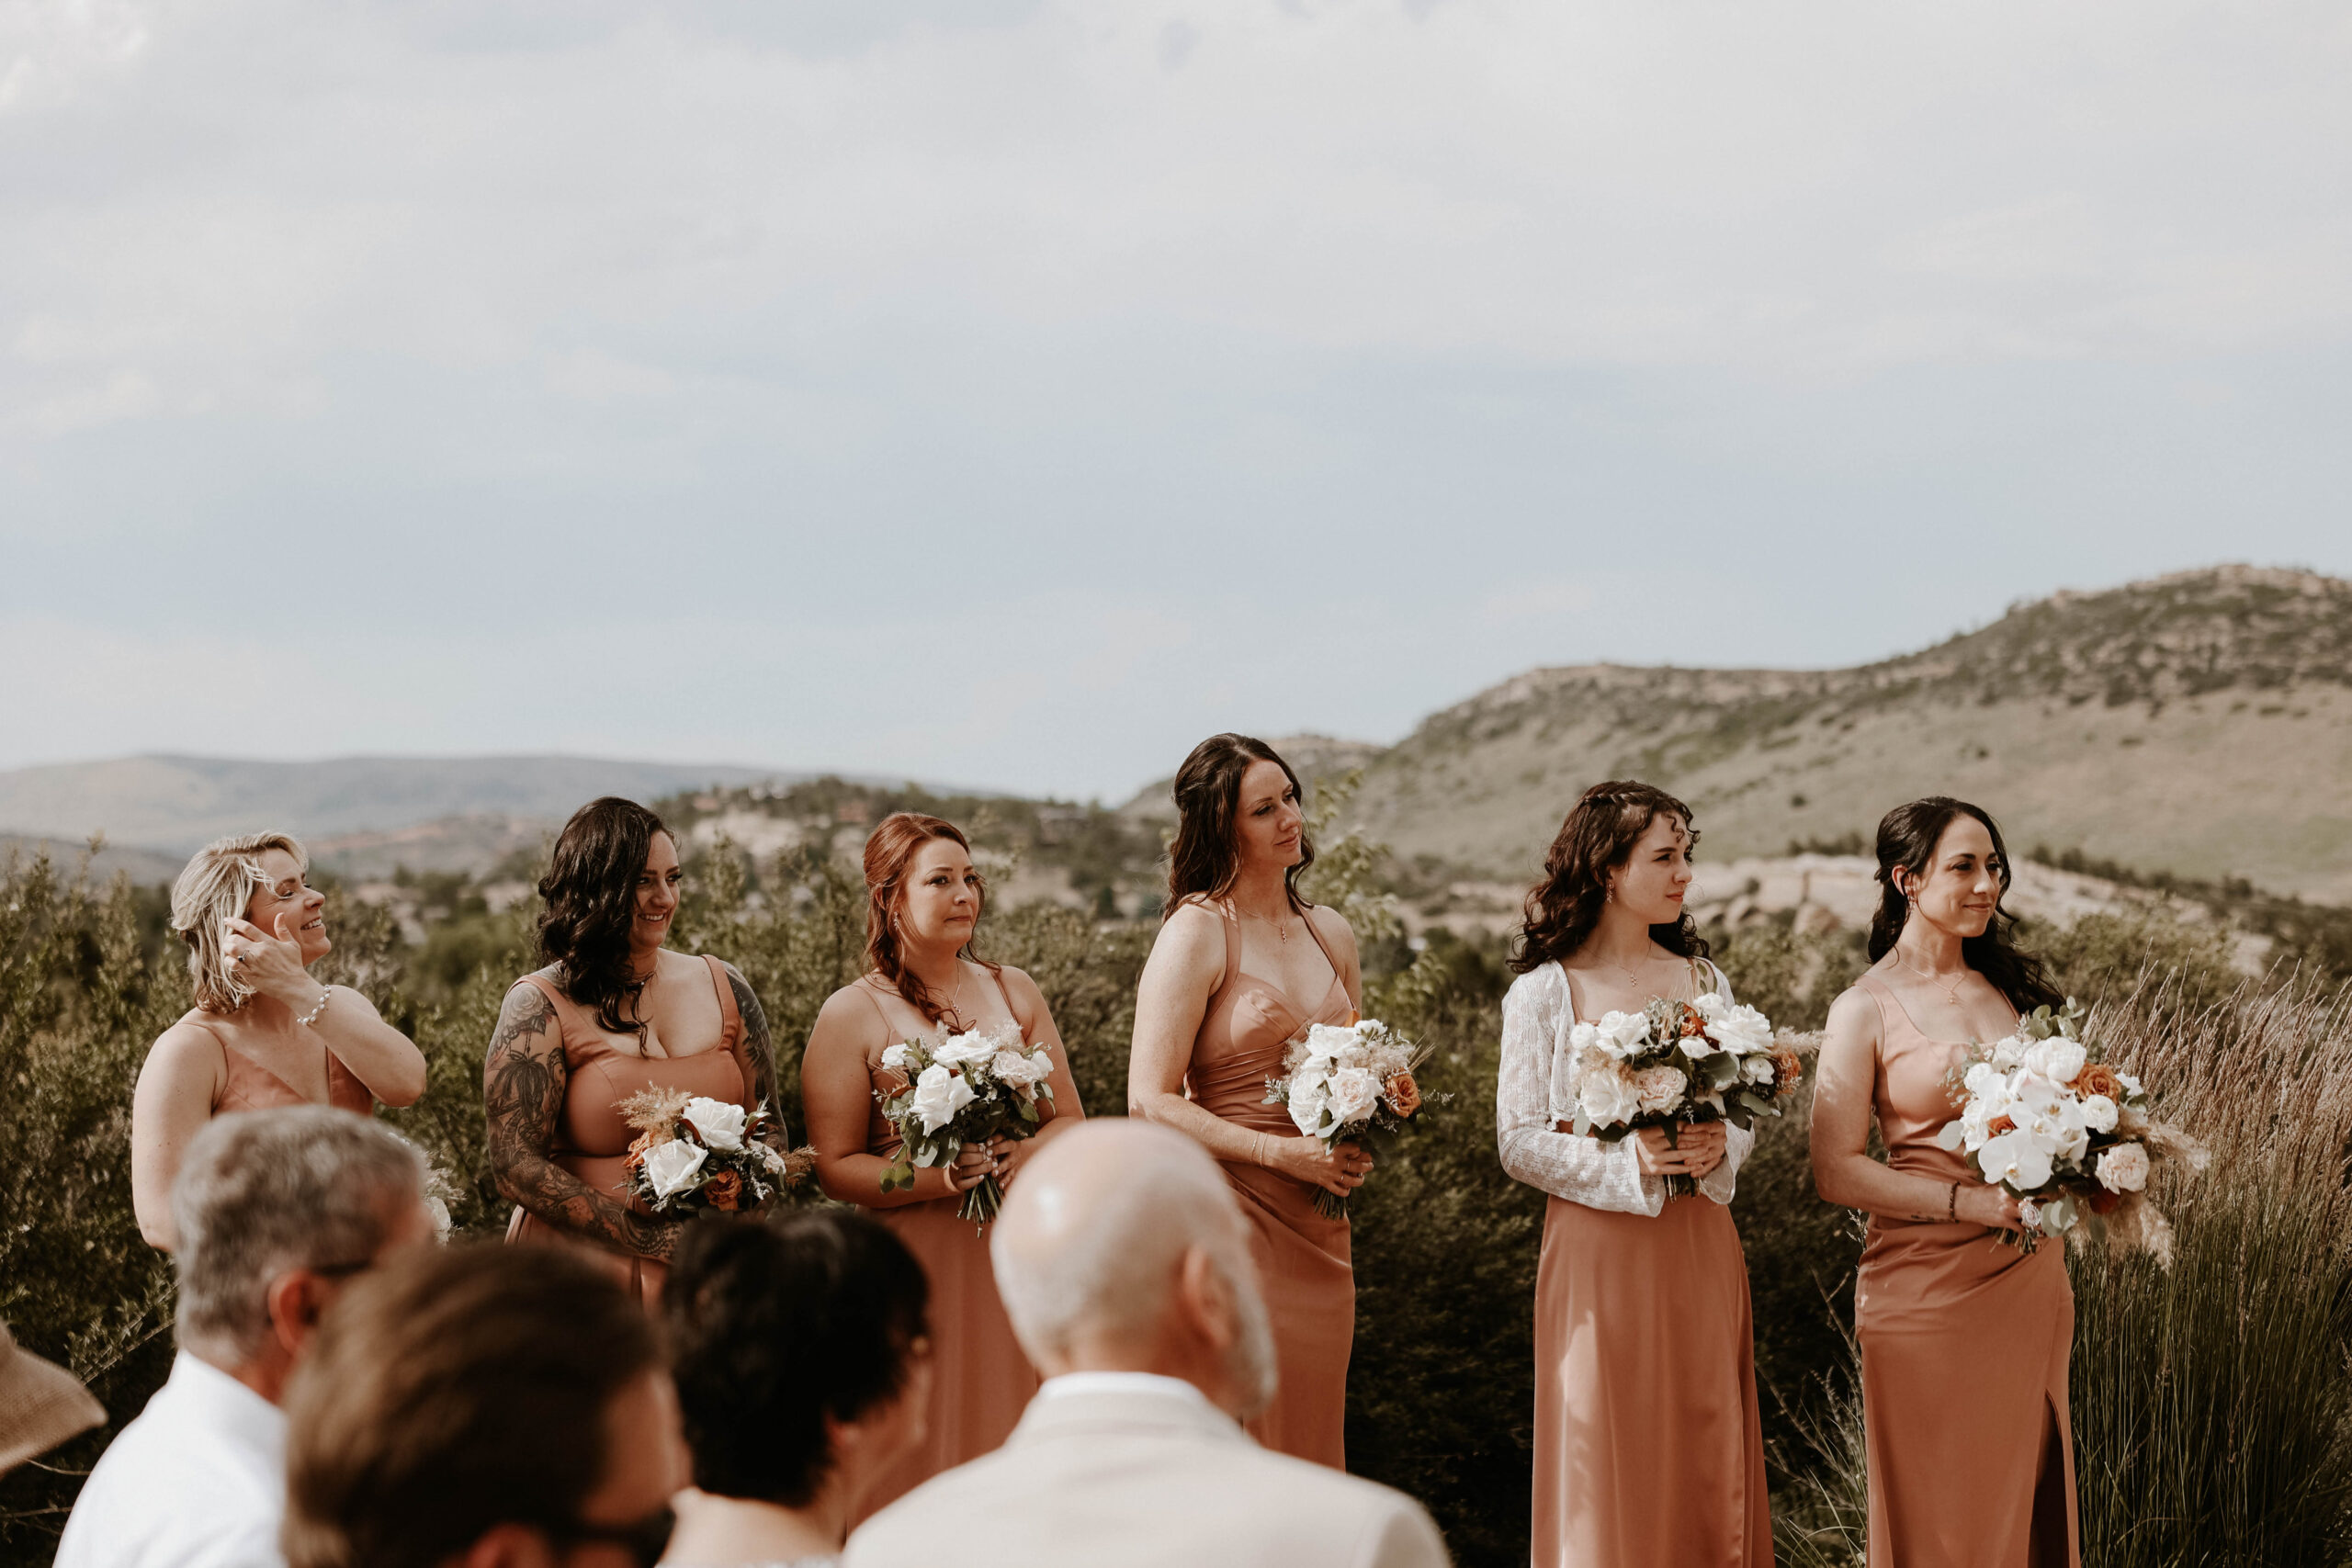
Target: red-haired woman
1242, 967
924, 901
1648, 1450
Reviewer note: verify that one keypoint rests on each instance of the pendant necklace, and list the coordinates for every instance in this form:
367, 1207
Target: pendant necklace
1951, 993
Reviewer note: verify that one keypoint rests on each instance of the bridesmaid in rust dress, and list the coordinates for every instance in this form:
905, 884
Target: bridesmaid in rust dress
262, 1033
613, 1014
1963, 1341
923, 900
1649, 1452
1241, 968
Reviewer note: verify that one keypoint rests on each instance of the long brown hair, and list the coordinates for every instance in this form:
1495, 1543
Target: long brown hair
1597, 836
590, 908
1907, 836
889, 851
1203, 862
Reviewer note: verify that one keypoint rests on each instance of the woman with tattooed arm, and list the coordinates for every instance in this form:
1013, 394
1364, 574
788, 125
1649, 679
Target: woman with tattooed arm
612, 1014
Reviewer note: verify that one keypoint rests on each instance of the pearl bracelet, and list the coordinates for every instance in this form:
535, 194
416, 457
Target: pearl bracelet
326, 995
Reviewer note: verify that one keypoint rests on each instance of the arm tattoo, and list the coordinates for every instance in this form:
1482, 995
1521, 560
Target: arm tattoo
758, 1049
523, 1080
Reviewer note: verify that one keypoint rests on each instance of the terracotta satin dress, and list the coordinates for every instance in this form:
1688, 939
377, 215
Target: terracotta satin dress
1304, 1260
252, 1086
980, 1380
592, 1141
1964, 1344
1650, 1447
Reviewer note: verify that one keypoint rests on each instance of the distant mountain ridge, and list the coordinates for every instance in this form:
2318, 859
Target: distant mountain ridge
174, 805
2199, 723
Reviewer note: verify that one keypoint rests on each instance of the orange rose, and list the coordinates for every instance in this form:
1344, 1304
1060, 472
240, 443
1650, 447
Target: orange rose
2097, 1078
1999, 1125
637, 1148
1787, 1068
1404, 1094
1692, 1023
724, 1191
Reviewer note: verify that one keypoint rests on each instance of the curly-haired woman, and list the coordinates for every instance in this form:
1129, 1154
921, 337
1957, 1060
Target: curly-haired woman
1648, 1449
1243, 966
613, 1014
262, 1033
1964, 1343
923, 903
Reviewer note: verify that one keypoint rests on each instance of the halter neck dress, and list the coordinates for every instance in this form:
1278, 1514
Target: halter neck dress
592, 1141
1304, 1260
980, 1378
1649, 1444
1964, 1344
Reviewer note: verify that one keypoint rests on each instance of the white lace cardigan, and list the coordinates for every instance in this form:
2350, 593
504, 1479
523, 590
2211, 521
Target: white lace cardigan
1532, 1095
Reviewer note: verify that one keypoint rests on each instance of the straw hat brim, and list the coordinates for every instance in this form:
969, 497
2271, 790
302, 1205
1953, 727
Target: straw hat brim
41, 1406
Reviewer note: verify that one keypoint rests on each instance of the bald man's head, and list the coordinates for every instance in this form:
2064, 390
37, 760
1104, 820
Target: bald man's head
1094, 1244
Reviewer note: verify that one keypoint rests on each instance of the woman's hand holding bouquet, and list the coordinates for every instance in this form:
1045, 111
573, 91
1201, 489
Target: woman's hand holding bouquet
963, 1092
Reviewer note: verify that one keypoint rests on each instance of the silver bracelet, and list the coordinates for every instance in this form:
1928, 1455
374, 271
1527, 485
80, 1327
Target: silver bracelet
326, 995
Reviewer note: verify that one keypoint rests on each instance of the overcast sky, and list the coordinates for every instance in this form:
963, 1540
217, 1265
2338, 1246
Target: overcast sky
1012, 393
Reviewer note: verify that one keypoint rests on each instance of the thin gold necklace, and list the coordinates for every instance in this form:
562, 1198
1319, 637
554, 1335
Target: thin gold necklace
1951, 993
1282, 927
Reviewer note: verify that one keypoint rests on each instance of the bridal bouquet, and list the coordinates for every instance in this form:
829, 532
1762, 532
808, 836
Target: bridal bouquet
2067, 1135
1342, 1083
1675, 1063
965, 1089
693, 1151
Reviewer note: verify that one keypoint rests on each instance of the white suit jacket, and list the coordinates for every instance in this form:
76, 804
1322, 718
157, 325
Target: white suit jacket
1126, 1473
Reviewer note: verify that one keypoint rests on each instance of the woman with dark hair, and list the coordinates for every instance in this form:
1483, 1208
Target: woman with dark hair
612, 1014
1963, 1342
1648, 1448
1243, 966
923, 980
803, 1362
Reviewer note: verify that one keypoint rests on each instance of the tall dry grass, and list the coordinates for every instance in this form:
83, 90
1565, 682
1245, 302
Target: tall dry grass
2212, 1402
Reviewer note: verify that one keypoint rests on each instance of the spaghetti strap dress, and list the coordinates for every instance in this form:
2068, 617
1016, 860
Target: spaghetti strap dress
592, 1141
1650, 1445
249, 1086
1964, 1344
981, 1379
1304, 1259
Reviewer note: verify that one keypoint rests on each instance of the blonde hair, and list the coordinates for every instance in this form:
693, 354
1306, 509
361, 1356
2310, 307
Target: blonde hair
216, 887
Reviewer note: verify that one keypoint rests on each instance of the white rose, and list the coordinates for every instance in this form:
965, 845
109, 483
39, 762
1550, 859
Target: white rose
673, 1167
2124, 1169
939, 1095
2029, 1213
1659, 1087
2018, 1158
1622, 1033
1583, 1037
2131, 1088
2099, 1113
1739, 1028
1022, 1070
2009, 1051
718, 1123
958, 1050
1309, 1097
1981, 1077
1757, 1070
2057, 1058
1606, 1095
900, 1056
1354, 1094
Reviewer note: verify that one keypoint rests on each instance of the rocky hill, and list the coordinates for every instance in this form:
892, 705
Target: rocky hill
2199, 723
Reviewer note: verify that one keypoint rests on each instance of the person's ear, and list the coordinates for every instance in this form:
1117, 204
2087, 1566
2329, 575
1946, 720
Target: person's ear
1206, 1299
508, 1546
296, 1299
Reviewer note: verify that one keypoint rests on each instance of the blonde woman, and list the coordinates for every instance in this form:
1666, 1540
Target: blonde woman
262, 1032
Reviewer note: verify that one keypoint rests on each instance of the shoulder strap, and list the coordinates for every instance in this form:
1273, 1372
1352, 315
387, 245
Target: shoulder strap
996, 973
730, 1022
1232, 944
1308, 915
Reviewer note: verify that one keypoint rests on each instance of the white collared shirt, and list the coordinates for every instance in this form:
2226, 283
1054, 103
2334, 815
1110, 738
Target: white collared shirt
197, 1480
1122, 1383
